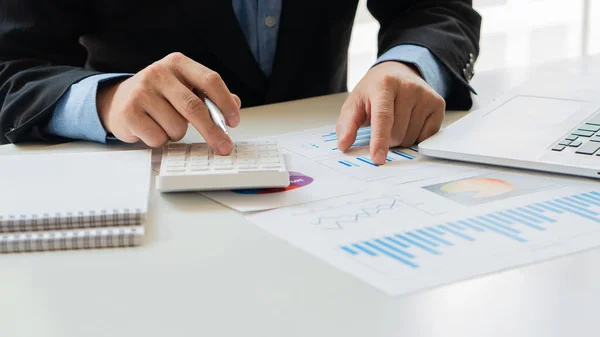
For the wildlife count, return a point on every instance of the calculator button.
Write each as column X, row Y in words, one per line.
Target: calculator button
column 171, row 163
column 199, row 151
column 269, row 160
column 571, row 138
column 198, row 158
column 269, row 154
column 176, row 159
column 199, row 168
column 222, row 167
column 203, row 162
column 229, row 156
column 175, row 169
column 267, row 147
column 246, row 161
column 222, row 162
column 247, row 167
column 246, row 149
column 246, row 155
column 177, row 146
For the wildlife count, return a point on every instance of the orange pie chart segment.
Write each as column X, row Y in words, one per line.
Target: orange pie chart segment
column 479, row 188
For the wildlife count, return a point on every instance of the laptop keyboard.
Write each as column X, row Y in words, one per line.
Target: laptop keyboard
column 585, row 139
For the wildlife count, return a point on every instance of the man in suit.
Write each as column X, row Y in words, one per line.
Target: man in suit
column 133, row 70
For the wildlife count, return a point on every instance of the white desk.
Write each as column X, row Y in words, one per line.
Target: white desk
column 205, row 271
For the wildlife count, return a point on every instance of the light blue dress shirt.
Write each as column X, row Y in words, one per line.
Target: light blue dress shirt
column 76, row 115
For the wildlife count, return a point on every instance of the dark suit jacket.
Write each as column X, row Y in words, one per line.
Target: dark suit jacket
column 47, row 45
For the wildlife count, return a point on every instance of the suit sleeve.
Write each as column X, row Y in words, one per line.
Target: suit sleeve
column 450, row 29
column 40, row 58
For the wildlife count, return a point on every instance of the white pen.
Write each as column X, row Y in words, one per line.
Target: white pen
column 216, row 114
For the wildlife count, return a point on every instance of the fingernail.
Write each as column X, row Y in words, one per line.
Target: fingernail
column 380, row 157
column 233, row 120
column 224, row 147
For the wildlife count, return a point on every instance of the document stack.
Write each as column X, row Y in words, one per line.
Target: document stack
column 73, row 200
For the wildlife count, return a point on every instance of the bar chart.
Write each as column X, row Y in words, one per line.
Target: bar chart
column 409, row 237
column 363, row 136
column 393, row 155
column 320, row 142
column 357, row 163
column 522, row 225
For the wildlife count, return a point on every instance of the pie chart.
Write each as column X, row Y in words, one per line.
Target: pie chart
column 478, row 188
column 297, row 180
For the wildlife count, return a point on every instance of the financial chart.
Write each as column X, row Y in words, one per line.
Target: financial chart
column 411, row 237
column 402, row 165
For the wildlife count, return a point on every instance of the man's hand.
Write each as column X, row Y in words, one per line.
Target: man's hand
column 156, row 104
column 398, row 104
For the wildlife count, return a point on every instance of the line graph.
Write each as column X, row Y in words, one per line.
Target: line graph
column 337, row 222
column 339, row 215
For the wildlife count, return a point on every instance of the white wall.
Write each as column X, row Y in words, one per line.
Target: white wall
column 514, row 33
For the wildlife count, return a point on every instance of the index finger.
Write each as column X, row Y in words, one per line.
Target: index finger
column 382, row 120
column 207, row 81
column 351, row 118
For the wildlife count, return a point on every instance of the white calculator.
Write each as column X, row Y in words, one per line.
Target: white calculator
column 196, row 167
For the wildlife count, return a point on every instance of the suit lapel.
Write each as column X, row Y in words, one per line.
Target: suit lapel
column 215, row 24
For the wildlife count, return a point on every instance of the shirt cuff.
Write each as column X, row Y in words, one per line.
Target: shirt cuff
column 76, row 114
column 432, row 70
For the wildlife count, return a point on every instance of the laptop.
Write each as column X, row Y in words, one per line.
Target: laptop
column 548, row 124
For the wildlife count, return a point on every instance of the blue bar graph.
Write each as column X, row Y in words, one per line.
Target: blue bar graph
column 347, row 163
column 512, row 224
column 363, row 136
column 366, row 161
column 403, row 155
column 349, row 250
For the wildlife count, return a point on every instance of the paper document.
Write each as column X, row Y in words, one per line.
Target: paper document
column 320, row 171
column 308, row 183
column 402, row 165
column 406, row 238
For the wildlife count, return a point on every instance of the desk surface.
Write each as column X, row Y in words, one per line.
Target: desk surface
column 205, row 271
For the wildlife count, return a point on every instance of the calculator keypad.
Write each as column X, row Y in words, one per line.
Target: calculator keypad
column 199, row 158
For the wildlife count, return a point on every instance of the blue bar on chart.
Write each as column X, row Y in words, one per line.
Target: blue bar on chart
column 511, row 224
column 366, row 161
column 361, row 134
column 347, row 163
column 403, row 154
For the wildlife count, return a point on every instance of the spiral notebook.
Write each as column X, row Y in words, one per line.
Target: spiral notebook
column 73, row 200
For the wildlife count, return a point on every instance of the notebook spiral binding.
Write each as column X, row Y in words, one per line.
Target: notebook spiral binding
column 71, row 220
column 76, row 239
